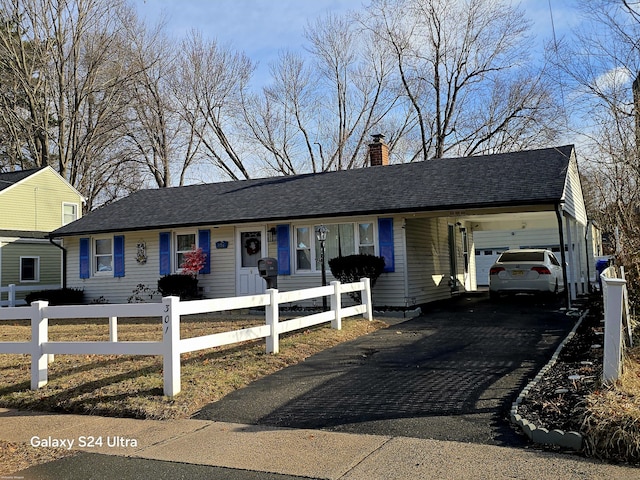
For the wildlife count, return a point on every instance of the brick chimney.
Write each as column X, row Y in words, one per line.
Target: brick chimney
column 378, row 151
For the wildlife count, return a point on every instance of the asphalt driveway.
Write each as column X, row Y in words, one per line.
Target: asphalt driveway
column 450, row 374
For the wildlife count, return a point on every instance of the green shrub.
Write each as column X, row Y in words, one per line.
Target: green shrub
column 183, row 286
column 60, row 296
column 352, row 268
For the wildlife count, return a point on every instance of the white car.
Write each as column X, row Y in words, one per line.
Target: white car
column 526, row 271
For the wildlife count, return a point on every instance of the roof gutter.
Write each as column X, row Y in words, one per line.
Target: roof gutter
column 64, row 261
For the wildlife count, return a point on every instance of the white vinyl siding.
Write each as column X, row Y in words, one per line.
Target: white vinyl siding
column 428, row 249
column 573, row 198
column 389, row 290
column 220, row 283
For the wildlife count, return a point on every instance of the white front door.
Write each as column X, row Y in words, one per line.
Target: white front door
column 251, row 248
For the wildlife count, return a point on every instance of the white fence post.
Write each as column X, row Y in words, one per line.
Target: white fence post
column 336, row 306
column 272, row 317
column 366, row 299
column 39, row 335
column 12, row 295
column 113, row 329
column 613, row 299
column 171, row 341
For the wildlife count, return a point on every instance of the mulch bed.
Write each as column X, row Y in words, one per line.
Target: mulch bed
column 557, row 401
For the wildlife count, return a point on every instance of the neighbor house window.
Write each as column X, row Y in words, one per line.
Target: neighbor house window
column 342, row 239
column 103, row 255
column 185, row 242
column 69, row 212
column 29, row 269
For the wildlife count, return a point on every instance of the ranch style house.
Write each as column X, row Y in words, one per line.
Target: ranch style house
column 421, row 217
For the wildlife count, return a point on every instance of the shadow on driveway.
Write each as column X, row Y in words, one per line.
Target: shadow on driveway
column 450, row 374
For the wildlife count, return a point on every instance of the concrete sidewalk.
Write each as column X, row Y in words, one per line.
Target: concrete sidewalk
column 199, row 448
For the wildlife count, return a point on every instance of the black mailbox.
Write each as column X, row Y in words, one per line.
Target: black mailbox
column 268, row 269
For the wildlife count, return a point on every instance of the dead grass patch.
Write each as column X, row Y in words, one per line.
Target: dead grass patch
column 611, row 426
column 132, row 386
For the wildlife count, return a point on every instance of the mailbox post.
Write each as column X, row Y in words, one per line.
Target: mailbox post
column 268, row 269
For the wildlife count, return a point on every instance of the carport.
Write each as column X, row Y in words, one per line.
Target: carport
column 501, row 198
column 569, row 227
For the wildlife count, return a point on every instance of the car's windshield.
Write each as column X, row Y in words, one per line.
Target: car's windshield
column 522, row 257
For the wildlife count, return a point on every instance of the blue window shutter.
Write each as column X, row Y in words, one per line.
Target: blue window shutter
column 204, row 242
column 85, row 264
column 284, row 255
column 385, row 242
column 165, row 253
column 118, row 256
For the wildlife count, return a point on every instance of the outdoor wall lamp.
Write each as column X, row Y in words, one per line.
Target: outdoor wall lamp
column 271, row 234
column 321, row 235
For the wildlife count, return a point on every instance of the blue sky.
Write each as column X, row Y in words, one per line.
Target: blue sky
column 261, row 28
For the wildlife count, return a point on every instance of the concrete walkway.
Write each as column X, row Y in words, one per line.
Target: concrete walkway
column 203, row 449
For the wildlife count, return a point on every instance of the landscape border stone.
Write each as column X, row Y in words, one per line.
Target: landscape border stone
column 572, row 440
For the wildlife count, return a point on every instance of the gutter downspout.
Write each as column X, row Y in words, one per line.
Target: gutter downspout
column 563, row 256
column 64, row 261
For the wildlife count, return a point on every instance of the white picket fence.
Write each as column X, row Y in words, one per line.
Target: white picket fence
column 170, row 310
column 617, row 322
column 12, row 289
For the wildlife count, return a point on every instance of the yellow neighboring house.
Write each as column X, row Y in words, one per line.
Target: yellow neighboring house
column 32, row 204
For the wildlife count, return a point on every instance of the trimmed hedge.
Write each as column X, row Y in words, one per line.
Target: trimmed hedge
column 352, row 268
column 183, row 286
column 60, row 296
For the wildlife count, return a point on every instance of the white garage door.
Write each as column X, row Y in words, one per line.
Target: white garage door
column 485, row 257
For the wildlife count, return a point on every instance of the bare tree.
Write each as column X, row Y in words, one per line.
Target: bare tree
column 70, row 70
column 156, row 133
column 319, row 112
column 24, row 111
column 283, row 120
column 214, row 80
column 599, row 68
column 463, row 67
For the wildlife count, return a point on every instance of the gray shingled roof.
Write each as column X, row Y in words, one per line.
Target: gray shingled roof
column 11, row 178
column 530, row 177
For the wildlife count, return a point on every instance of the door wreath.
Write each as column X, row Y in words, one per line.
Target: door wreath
column 252, row 245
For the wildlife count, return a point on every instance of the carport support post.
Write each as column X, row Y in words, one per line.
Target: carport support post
column 272, row 318
column 171, row 345
column 572, row 260
column 563, row 255
column 39, row 336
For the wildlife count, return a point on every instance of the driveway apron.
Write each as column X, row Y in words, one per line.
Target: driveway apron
column 450, row 374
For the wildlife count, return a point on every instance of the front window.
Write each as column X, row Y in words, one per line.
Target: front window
column 103, row 255
column 185, row 242
column 342, row 239
column 303, row 248
column 366, row 239
column 69, row 213
column 29, row 269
